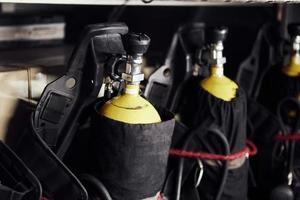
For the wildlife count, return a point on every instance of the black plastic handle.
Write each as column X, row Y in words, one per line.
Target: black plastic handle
column 96, row 30
column 192, row 37
column 62, row 102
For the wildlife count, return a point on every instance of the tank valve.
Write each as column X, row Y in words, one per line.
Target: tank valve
column 217, row 59
column 135, row 45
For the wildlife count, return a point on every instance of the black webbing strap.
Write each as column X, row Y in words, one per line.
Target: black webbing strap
column 56, row 179
column 17, row 181
column 7, row 193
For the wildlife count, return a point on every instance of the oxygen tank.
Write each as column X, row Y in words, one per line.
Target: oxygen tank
column 131, row 138
column 219, row 103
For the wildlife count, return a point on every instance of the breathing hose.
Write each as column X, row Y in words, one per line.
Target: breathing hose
column 223, row 139
column 288, row 138
column 96, row 185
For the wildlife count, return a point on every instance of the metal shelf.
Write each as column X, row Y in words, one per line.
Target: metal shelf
column 153, row 3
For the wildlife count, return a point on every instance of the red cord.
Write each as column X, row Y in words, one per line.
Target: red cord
column 291, row 136
column 160, row 197
column 250, row 150
column 44, row 198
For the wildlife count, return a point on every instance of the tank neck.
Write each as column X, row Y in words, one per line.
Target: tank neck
column 218, row 60
column 217, row 71
column 296, row 44
column 133, row 74
column 132, row 89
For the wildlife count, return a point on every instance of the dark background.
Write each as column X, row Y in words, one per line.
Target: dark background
column 160, row 23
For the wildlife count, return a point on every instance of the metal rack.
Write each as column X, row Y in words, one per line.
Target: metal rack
column 150, row 2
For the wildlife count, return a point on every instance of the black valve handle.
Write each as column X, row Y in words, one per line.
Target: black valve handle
column 136, row 43
column 219, row 34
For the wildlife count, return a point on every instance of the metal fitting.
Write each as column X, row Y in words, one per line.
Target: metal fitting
column 217, row 54
column 133, row 79
column 296, row 44
column 133, row 73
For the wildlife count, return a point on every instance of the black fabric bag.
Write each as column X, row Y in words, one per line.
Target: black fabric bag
column 180, row 134
column 267, row 171
column 276, row 86
column 231, row 118
column 17, row 181
column 131, row 159
column 184, row 172
column 56, row 179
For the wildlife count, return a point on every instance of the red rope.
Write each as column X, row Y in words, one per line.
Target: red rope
column 160, row 197
column 44, row 198
column 250, row 150
column 291, row 136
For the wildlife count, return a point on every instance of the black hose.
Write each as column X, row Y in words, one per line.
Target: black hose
column 179, row 178
column 290, row 146
column 227, row 152
column 202, row 129
column 92, row 183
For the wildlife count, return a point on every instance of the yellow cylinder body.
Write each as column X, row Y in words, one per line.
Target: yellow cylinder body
column 293, row 68
column 130, row 108
column 219, row 85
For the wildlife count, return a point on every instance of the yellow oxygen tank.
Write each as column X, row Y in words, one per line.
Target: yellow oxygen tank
column 293, row 68
column 217, row 84
column 130, row 107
